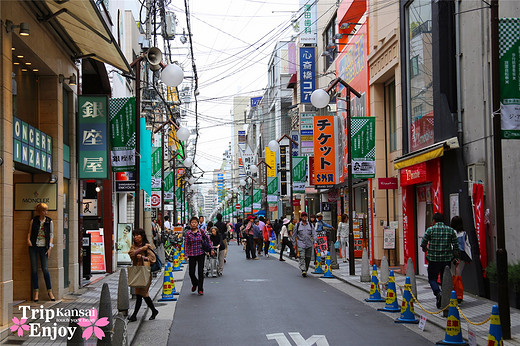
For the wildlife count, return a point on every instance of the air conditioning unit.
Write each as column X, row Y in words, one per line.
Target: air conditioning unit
column 476, row 174
column 170, row 24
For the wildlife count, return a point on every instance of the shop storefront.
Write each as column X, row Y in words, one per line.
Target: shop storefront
column 421, row 186
column 38, row 147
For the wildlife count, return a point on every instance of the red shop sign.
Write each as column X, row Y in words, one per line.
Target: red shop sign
column 296, row 202
column 387, row 183
column 415, row 174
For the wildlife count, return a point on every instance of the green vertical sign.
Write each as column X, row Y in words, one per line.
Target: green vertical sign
column 93, row 137
column 156, row 162
column 168, row 187
column 122, row 133
column 363, row 147
column 257, row 199
column 509, row 56
column 299, row 173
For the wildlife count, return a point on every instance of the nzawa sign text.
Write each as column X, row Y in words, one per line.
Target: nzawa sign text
column 324, row 153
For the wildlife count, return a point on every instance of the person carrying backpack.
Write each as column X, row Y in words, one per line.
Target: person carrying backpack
column 304, row 238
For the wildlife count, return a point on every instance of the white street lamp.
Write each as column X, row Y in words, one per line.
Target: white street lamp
column 273, row 145
column 183, row 133
column 188, row 162
column 242, row 182
column 320, row 98
column 253, row 169
column 192, row 180
column 172, row 75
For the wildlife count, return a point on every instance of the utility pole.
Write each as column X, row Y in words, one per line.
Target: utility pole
column 501, row 253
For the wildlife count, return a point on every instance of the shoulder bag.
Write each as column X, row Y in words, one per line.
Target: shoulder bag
column 157, row 265
column 138, row 276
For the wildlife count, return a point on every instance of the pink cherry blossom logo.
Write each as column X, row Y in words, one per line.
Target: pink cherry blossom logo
column 19, row 325
column 92, row 325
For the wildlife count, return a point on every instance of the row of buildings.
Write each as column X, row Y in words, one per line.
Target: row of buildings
column 422, row 135
column 61, row 63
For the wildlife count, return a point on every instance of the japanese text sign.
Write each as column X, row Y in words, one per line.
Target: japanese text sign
column 122, row 133
column 308, row 21
column 324, row 152
column 307, row 73
column 509, row 46
column 363, row 147
column 93, row 137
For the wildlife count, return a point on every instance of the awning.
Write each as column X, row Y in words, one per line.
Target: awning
column 426, row 154
column 82, row 21
column 292, row 81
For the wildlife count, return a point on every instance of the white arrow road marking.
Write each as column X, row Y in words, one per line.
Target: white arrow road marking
column 319, row 340
column 282, row 340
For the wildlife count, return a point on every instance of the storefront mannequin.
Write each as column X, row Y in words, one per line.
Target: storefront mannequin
column 41, row 241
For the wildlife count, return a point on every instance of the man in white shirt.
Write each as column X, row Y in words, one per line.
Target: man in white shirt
column 167, row 224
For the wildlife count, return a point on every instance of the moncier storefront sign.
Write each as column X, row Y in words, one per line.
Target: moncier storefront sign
column 28, row 195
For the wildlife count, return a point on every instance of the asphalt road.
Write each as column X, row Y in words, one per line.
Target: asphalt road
column 268, row 302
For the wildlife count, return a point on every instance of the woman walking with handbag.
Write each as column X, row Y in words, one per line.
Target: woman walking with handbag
column 194, row 251
column 142, row 256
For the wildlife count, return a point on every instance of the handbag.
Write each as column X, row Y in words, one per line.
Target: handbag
column 157, row 265
column 336, row 245
column 457, row 284
column 206, row 246
column 138, row 276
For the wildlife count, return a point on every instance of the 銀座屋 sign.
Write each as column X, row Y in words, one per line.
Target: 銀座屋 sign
column 92, row 137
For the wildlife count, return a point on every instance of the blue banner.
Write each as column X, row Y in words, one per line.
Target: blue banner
column 307, row 73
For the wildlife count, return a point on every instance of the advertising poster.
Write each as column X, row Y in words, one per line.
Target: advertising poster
column 322, row 241
column 122, row 133
column 509, row 46
column 363, row 147
column 97, row 252
column 124, row 242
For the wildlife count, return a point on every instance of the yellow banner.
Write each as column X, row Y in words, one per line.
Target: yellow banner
column 270, row 159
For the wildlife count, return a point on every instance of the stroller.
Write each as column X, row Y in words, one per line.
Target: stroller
column 211, row 265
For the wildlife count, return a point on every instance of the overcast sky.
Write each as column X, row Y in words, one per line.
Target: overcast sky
column 233, row 40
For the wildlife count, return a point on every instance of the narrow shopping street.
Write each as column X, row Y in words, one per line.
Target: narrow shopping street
column 268, row 302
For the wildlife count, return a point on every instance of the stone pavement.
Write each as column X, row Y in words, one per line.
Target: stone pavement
column 86, row 298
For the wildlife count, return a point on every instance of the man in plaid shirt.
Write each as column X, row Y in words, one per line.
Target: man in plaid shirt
column 440, row 243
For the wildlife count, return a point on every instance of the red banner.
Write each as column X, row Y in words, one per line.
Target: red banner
column 408, row 224
column 387, row 183
column 478, row 211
